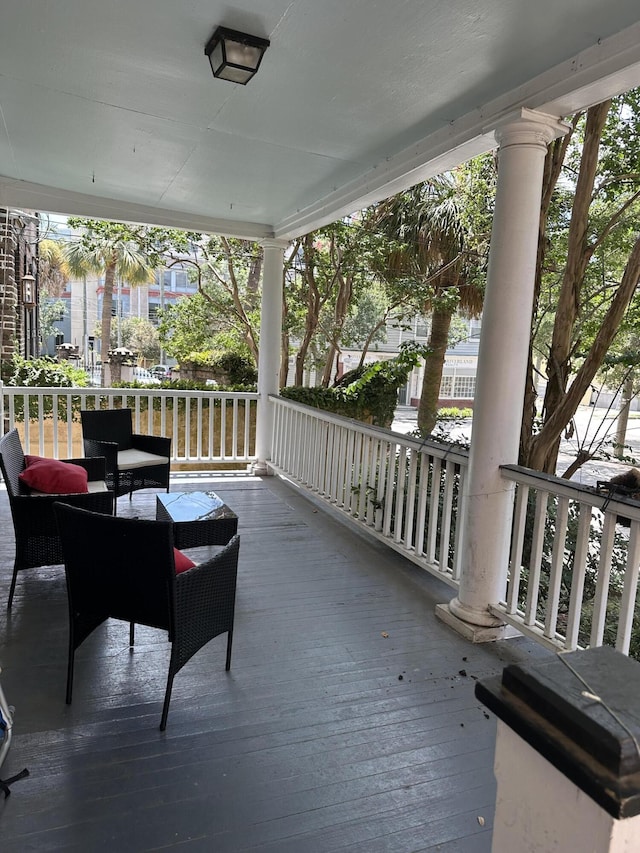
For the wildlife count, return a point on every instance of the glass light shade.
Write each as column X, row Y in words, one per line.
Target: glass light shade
column 235, row 56
column 28, row 291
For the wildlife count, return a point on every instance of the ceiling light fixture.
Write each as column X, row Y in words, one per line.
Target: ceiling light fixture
column 235, row 56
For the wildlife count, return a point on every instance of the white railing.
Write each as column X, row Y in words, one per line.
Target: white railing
column 206, row 426
column 403, row 490
column 573, row 570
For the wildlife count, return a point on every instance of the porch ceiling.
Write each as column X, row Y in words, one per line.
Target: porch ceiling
column 110, row 109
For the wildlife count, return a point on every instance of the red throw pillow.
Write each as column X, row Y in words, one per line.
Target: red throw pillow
column 54, row 477
column 29, row 459
column 182, row 561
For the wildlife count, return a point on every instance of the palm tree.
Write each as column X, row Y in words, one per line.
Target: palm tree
column 53, row 270
column 425, row 225
column 110, row 249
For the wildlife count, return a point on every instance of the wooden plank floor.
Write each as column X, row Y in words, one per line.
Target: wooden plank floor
column 326, row 735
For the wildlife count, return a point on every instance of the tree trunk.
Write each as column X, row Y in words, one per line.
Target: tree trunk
column 543, row 451
column 107, row 306
column 284, row 360
column 552, row 169
column 343, row 303
column 544, row 445
column 314, row 304
column 433, row 365
column 623, row 416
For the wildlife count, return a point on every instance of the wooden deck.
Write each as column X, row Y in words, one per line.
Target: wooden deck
column 348, row 721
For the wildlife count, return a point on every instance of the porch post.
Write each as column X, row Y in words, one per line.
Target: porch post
column 270, row 344
column 567, row 761
column 502, row 364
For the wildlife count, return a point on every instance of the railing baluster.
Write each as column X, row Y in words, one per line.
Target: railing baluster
column 537, row 553
column 602, row 580
column 400, row 495
column 460, row 527
column 392, row 468
column 434, row 507
column 517, row 544
column 557, row 559
column 410, row 505
column 423, row 491
column 445, row 523
column 629, row 590
column 578, row 577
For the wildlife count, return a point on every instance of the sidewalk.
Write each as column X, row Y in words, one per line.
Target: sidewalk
column 590, row 425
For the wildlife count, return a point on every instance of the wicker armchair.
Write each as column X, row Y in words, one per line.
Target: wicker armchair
column 133, row 461
column 36, row 534
column 123, row 568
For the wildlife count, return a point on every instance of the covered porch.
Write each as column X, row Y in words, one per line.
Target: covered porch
column 319, row 744
column 348, row 720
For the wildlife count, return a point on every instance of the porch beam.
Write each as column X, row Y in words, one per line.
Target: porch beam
column 487, row 503
column 270, row 338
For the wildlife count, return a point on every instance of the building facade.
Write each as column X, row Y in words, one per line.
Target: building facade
column 19, row 231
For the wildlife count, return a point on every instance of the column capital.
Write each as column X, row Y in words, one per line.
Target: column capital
column 529, row 127
column 273, row 243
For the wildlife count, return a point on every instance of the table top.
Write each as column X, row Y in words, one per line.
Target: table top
column 195, row 506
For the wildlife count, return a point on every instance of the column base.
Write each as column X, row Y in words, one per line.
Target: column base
column 261, row 469
column 474, row 633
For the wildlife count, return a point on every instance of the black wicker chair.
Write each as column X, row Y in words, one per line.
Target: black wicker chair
column 123, row 568
column 133, row 461
column 36, row 534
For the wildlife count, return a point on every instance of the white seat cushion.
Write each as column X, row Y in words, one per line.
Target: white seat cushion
column 132, row 458
column 97, row 486
column 92, row 486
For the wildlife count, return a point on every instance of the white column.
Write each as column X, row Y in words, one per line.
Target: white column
column 502, row 364
column 270, row 345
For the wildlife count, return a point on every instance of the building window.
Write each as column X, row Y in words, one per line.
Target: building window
column 422, row 327
column 464, row 387
column 446, row 386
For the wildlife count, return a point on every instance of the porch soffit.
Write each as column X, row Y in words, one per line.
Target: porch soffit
column 110, row 110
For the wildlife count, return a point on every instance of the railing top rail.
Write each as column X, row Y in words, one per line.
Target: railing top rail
column 573, row 491
column 435, row 448
column 129, row 392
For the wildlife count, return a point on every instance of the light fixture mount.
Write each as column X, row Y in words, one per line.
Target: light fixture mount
column 235, row 56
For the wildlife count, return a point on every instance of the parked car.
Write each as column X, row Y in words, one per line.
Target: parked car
column 161, row 371
column 140, row 374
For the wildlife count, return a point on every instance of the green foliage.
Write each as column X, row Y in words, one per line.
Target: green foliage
column 449, row 413
column 616, row 578
column 50, row 313
column 232, row 367
column 137, row 334
column 42, row 373
column 367, row 394
column 238, row 368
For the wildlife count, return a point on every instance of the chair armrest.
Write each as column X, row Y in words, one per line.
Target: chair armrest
column 34, row 515
column 205, row 596
column 107, row 449
column 152, row 444
column 95, row 466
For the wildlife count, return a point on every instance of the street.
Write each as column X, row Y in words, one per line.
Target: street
column 592, row 427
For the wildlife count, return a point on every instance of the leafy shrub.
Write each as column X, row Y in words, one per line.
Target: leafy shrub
column 450, row 413
column 368, row 394
column 238, row 368
column 229, row 367
column 43, row 372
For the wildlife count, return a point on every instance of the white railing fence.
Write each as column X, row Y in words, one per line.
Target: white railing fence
column 575, row 555
column 205, row 426
column 404, row 491
column 573, row 569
